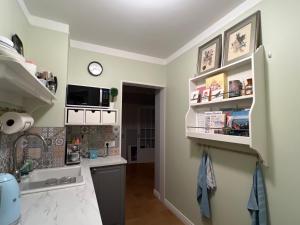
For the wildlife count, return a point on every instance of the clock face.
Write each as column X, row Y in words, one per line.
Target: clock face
column 95, row 68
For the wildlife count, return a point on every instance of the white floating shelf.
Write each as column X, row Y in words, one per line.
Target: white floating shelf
column 225, row 100
column 221, row 137
column 19, row 87
column 252, row 66
column 223, row 69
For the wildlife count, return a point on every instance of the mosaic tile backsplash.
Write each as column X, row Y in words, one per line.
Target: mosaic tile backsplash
column 95, row 137
column 32, row 147
column 56, row 137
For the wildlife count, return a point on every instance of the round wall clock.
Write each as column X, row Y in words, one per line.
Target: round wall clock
column 95, row 68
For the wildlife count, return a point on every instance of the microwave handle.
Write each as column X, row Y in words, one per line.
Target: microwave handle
column 101, row 95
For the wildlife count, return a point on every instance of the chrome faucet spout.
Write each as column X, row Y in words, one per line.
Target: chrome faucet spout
column 16, row 170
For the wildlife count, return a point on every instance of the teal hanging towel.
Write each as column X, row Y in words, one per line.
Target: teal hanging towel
column 257, row 204
column 206, row 183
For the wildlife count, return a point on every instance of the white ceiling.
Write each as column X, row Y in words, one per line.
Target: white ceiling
column 151, row 27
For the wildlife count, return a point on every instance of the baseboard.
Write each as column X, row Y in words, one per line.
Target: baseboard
column 156, row 194
column 177, row 213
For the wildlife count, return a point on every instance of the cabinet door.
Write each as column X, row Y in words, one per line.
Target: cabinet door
column 109, row 183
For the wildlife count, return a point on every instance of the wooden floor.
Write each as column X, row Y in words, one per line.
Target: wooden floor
column 142, row 208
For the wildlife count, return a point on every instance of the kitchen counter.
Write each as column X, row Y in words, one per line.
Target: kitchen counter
column 69, row 206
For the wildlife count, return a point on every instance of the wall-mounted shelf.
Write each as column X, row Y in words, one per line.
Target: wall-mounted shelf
column 90, row 116
column 20, row 87
column 223, row 101
column 252, row 67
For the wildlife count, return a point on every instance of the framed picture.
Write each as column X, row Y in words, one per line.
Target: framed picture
column 241, row 40
column 209, row 55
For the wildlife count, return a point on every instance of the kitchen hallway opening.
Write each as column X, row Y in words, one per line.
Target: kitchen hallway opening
column 143, row 111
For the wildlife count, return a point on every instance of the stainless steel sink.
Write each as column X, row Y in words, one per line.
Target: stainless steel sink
column 50, row 179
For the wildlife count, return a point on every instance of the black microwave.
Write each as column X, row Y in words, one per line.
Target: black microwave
column 87, row 96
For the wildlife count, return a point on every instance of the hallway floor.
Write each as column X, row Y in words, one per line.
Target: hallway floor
column 142, row 208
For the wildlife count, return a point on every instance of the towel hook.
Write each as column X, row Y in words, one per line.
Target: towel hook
column 259, row 160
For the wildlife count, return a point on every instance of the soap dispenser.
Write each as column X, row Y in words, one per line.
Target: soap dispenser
column 10, row 209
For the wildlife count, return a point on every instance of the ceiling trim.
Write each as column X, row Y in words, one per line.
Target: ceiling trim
column 61, row 27
column 42, row 22
column 116, row 52
column 229, row 17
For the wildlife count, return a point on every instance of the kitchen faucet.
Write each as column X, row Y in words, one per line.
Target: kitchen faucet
column 16, row 171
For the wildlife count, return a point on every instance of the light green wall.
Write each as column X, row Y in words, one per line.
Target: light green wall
column 233, row 170
column 115, row 70
column 12, row 20
column 49, row 49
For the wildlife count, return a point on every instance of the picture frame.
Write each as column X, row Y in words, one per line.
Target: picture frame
column 241, row 40
column 209, row 55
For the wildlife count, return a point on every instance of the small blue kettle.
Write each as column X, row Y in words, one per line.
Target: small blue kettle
column 10, row 209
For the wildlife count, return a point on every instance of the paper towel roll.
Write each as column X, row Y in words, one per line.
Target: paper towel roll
column 13, row 122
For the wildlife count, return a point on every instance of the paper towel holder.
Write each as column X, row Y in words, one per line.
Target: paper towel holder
column 9, row 120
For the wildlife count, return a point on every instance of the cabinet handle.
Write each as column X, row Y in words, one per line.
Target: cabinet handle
column 93, row 170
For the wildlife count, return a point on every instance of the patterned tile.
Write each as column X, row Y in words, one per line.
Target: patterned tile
column 32, row 147
column 94, row 137
column 56, row 137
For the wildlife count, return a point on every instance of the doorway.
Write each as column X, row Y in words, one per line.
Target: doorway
column 143, row 129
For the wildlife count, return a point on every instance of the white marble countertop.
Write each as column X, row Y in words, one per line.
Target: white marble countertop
column 69, row 206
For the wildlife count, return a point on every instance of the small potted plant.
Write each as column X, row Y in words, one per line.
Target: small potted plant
column 113, row 94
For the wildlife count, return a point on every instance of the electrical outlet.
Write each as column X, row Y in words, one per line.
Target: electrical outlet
column 110, row 144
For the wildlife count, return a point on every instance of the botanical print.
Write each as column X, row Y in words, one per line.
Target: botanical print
column 208, row 58
column 239, row 42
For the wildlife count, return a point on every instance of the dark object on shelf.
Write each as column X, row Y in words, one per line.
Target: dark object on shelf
column 18, row 45
column 248, row 87
column 109, row 183
column 53, row 84
column 235, row 88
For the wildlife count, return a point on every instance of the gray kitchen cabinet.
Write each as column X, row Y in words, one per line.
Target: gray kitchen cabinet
column 109, row 184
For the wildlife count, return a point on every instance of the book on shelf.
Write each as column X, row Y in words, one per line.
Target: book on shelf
column 209, row 122
column 217, row 82
column 223, row 122
column 194, row 97
column 237, row 122
column 200, row 88
column 217, row 95
column 206, row 95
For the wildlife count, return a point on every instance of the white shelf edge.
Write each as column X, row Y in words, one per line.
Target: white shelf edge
column 221, row 137
column 223, row 68
column 223, row 101
column 24, row 79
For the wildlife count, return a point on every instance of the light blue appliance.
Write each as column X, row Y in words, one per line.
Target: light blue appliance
column 10, row 209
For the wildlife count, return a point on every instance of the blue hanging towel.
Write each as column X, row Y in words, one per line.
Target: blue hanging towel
column 202, row 191
column 257, row 204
